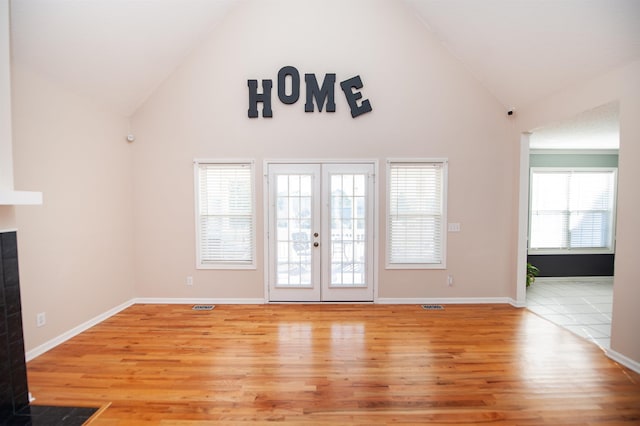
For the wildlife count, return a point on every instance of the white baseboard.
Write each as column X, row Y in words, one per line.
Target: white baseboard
column 516, row 304
column 444, row 300
column 621, row 359
column 39, row 350
column 198, row 301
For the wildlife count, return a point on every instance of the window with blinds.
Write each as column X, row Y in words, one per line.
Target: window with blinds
column 225, row 222
column 416, row 219
column 572, row 210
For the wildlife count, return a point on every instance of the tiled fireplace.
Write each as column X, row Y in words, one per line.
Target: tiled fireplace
column 14, row 393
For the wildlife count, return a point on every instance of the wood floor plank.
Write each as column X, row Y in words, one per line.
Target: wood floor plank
column 336, row 364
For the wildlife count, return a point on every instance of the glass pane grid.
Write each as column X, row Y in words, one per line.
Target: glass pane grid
column 293, row 234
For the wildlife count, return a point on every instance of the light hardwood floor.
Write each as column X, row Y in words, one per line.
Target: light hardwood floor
column 336, row 364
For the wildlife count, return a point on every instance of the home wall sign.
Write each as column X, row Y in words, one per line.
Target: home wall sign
column 323, row 95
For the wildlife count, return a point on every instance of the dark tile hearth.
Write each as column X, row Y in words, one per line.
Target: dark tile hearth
column 14, row 392
column 44, row 415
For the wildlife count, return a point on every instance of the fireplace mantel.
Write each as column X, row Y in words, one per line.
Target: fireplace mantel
column 20, row 198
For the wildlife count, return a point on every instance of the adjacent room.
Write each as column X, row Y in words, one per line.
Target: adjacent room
column 572, row 211
column 319, row 211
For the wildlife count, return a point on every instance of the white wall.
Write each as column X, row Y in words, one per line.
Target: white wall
column 75, row 250
column 7, row 213
column 6, row 164
column 623, row 85
column 424, row 105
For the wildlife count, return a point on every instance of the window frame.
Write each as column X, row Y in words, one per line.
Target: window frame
column 239, row 265
column 576, row 250
column 444, row 164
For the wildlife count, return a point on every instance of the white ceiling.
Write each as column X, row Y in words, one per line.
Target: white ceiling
column 525, row 50
column 118, row 51
column 598, row 128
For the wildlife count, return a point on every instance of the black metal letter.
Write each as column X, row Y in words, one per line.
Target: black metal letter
column 295, row 85
column 326, row 92
column 264, row 97
column 352, row 97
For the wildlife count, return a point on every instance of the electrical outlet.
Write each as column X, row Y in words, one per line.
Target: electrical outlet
column 189, row 280
column 454, row 227
column 41, row 319
column 450, row 280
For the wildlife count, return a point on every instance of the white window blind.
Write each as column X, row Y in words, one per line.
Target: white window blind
column 572, row 209
column 416, row 214
column 225, row 215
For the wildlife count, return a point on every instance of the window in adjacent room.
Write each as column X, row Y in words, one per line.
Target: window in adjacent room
column 225, row 215
column 572, row 210
column 416, row 213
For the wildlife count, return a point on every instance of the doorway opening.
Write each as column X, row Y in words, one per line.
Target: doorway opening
column 571, row 174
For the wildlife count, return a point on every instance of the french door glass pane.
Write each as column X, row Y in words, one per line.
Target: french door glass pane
column 293, row 234
column 348, row 230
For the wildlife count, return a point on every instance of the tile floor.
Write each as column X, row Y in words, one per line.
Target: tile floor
column 582, row 306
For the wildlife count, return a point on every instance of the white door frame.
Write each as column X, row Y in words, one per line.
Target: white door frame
column 523, row 223
column 375, row 218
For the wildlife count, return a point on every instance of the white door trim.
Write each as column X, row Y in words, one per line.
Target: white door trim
column 523, row 222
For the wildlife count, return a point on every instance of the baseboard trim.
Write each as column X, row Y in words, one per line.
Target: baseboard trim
column 621, row 359
column 198, row 301
column 516, row 304
column 444, row 300
column 39, row 350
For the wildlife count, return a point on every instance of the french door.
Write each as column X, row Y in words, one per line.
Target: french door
column 320, row 219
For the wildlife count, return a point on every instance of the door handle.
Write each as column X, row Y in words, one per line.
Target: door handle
column 316, row 244
column 315, row 234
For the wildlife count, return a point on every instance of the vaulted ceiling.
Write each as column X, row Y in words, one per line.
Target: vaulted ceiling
column 119, row 51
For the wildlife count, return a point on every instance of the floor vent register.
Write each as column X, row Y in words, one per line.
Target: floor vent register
column 203, row 307
column 433, row 307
